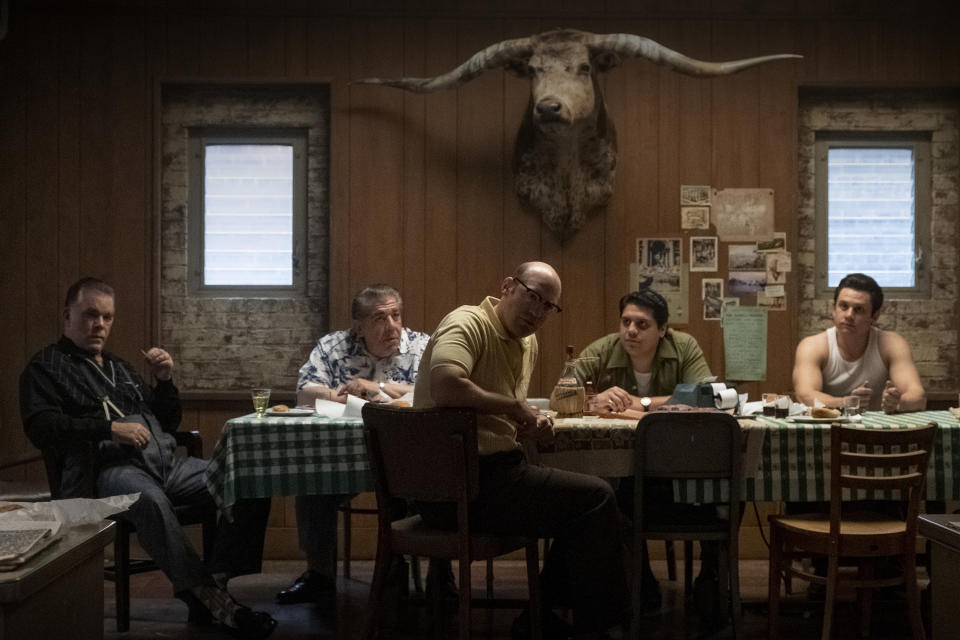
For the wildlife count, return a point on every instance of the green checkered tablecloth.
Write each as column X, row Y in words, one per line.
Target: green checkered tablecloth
column 794, row 464
column 286, row 456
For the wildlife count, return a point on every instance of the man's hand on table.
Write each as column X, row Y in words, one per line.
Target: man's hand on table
column 367, row 389
column 613, row 400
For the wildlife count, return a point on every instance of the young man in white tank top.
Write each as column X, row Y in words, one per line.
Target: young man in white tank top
column 854, row 357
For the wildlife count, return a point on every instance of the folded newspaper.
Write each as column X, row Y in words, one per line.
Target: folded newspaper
column 26, row 528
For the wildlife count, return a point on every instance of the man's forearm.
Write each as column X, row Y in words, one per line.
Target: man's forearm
column 460, row 391
column 308, row 395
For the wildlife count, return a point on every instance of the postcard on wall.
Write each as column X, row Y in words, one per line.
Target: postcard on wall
column 745, row 343
column 703, row 253
column 744, row 257
column 740, row 283
column 695, row 195
column 711, row 294
column 694, row 217
column 778, row 265
column 662, row 254
column 778, row 303
column 779, row 243
column 743, row 215
column 673, row 285
column 727, row 302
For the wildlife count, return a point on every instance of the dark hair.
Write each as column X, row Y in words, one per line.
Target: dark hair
column 73, row 293
column 369, row 296
column 861, row 282
column 649, row 299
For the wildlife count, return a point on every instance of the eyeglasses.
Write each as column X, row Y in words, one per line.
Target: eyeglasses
column 533, row 296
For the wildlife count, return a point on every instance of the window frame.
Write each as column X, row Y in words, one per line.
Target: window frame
column 199, row 138
column 920, row 143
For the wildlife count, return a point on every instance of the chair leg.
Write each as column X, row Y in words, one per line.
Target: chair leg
column 415, row 572
column 833, row 568
column 374, row 604
column 733, row 575
column 773, row 584
column 671, row 561
column 687, row 568
column 347, row 522
column 865, row 596
column 533, row 584
column 489, row 578
column 464, row 599
column 913, row 595
column 121, row 567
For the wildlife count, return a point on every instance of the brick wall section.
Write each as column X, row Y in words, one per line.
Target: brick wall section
column 234, row 343
column 927, row 325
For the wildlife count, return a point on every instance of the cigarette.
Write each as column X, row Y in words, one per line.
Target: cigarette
column 144, row 353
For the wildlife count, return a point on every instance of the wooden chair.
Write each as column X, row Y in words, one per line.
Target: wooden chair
column 696, row 445
column 348, row 511
column 883, row 460
column 430, row 455
column 123, row 566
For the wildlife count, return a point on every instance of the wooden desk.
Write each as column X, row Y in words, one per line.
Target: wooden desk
column 945, row 572
column 59, row 592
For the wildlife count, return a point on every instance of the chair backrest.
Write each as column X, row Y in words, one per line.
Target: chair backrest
column 428, row 455
column 691, row 446
column 687, row 445
column 879, row 460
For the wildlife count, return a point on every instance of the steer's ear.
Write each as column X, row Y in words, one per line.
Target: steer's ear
column 605, row 60
column 518, row 67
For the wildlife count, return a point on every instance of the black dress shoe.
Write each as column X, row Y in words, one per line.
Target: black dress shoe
column 309, row 587
column 250, row 624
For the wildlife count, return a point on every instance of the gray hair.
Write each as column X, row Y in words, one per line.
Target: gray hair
column 369, row 296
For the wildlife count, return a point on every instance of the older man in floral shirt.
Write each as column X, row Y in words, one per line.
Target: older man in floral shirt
column 376, row 359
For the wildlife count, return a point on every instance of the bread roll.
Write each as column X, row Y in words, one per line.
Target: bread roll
column 280, row 408
column 399, row 403
column 824, row 412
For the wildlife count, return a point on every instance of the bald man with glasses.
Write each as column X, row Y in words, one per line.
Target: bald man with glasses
column 481, row 357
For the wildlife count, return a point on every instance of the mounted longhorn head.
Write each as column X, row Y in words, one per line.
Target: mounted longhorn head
column 566, row 151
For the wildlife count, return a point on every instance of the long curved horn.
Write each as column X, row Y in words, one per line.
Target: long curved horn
column 638, row 46
column 489, row 58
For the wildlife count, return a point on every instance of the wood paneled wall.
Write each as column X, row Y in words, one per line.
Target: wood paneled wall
column 421, row 186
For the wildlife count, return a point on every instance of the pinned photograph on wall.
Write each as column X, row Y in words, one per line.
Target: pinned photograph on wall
column 778, row 265
column 694, row 217
column 711, row 292
column 744, row 257
column 703, row 253
column 778, row 243
column 743, row 215
column 695, row 194
column 658, row 254
column 740, row 283
column 778, row 303
column 727, row 303
column 673, row 285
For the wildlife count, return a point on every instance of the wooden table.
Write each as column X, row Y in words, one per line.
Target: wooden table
column 944, row 570
column 59, row 592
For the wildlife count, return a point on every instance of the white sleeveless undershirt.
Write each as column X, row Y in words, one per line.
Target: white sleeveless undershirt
column 841, row 377
column 643, row 382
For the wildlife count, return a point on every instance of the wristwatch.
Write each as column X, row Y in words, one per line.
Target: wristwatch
column 645, row 402
column 381, row 389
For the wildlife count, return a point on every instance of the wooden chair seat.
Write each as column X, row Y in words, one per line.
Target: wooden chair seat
column 416, row 537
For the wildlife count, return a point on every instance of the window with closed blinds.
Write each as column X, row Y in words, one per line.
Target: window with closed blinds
column 873, row 208
column 247, row 231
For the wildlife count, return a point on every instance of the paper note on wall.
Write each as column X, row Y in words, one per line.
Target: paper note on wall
column 745, row 343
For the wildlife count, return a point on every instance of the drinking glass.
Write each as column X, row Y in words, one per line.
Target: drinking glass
column 783, row 406
column 769, row 404
column 261, row 398
column 851, row 405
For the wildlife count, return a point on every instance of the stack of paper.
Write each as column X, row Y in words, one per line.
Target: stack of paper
column 21, row 540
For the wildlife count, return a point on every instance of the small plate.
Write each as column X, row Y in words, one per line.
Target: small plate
column 810, row 419
column 291, row 412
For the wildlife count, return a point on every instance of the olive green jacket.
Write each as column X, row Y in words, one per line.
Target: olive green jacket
column 678, row 359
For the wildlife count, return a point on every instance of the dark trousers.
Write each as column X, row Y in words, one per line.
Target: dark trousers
column 585, row 565
column 239, row 544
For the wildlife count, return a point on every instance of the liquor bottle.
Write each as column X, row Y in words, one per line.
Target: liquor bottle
column 589, row 396
column 568, row 394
